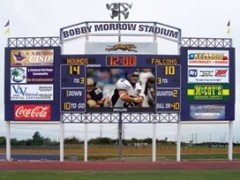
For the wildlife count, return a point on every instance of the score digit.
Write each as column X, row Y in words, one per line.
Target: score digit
column 82, row 80
column 175, row 105
column 169, row 70
column 74, row 70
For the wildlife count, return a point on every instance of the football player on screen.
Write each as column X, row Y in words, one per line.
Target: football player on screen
column 94, row 94
column 148, row 87
column 127, row 91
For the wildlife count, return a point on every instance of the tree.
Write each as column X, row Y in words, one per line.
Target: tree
column 37, row 139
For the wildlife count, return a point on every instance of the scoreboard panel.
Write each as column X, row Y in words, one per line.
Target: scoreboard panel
column 159, row 77
column 198, row 84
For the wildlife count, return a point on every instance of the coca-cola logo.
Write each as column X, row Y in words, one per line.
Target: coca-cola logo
column 32, row 112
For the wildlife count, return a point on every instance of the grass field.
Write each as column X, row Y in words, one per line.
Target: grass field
column 143, row 175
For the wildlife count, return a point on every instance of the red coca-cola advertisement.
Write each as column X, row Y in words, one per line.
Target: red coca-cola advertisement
column 41, row 112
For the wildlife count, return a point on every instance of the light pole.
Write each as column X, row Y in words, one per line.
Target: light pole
column 119, row 9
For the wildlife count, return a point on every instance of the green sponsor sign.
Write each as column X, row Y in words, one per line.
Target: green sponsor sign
column 208, row 92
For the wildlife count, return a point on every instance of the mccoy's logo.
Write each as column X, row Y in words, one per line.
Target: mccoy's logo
column 208, row 92
column 123, row 47
column 32, row 112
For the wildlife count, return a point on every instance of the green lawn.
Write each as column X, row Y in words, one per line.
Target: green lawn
column 121, row 175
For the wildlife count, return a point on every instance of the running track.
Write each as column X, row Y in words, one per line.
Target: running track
column 118, row 166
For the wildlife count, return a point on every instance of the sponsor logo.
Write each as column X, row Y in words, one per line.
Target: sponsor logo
column 30, row 57
column 221, row 73
column 18, row 90
column 193, row 73
column 33, row 92
column 208, row 75
column 208, row 58
column 18, row 75
column 207, row 112
column 32, row 112
column 123, row 47
column 18, row 56
column 208, row 92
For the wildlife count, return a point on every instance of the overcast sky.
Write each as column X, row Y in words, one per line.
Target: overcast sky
column 196, row 18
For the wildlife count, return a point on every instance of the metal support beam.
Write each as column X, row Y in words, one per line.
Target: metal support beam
column 178, row 141
column 85, row 142
column 230, row 141
column 154, row 147
column 61, row 142
column 120, row 136
column 8, row 141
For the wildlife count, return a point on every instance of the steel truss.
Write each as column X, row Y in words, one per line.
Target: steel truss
column 33, row 42
column 207, row 42
column 125, row 117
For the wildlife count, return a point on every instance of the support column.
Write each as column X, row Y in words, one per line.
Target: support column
column 61, row 142
column 120, row 137
column 154, row 142
column 8, row 141
column 85, row 142
column 178, row 141
column 230, row 141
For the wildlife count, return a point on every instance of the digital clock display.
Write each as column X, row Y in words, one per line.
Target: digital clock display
column 121, row 61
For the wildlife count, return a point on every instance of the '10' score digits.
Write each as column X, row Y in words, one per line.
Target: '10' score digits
column 168, row 76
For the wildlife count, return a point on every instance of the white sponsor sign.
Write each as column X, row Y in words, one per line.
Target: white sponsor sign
column 34, row 92
column 202, row 112
column 208, row 58
column 208, row 75
column 120, row 48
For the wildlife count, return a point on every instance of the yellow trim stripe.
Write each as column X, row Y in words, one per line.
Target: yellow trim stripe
column 225, row 92
column 190, row 92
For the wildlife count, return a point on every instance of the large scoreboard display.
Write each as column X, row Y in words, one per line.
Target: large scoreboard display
column 94, row 83
column 41, row 84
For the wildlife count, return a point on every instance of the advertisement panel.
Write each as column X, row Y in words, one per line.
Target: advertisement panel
column 208, row 112
column 208, row 92
column 33, row 92
column 32, row 84
column 32, row 57
column 208, row 57
column 32, row 112
column 208, row 75
column 209, row 86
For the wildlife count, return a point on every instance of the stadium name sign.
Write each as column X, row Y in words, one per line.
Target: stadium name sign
column 122, row 28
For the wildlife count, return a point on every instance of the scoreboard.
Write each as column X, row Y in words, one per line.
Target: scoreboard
column 76, row 69
column 41, row 84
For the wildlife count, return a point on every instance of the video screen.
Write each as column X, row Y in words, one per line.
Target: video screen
column 120, row 90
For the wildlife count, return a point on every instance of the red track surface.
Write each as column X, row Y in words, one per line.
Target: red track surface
column 119, row 166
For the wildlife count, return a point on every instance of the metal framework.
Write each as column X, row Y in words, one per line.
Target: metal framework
column 54, row 41
column 33, row 42
column 207, row 42
column 125, row 117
